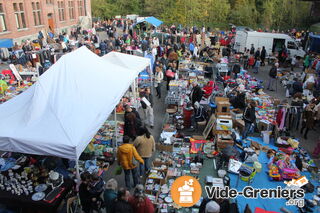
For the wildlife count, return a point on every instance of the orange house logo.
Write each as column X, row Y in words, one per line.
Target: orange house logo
column 186, row 191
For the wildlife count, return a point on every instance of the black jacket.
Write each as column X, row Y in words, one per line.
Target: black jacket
column 249, row 115
column 236, row 68
column 121, row 206
column 297, row 87
column 263, row 53
column 257, row 54
column 252, row 50
column 273, row 72
column 196, row 94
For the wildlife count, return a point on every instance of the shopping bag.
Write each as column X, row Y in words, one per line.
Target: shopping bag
column 170, row 74
column 118, row 170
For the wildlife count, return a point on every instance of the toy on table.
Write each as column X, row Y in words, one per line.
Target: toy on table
column 274, row 173
column 288, row 169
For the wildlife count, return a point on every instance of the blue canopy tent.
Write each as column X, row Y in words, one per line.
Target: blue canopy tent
column 151, row 20
column 6, row 43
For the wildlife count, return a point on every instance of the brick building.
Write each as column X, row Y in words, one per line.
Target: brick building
column 23, row 19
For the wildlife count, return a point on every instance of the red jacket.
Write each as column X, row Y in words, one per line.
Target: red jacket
column 141, row 207
column 251, row 61
column 208, row 89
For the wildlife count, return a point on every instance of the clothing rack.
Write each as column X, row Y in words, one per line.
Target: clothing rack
column 288, row 106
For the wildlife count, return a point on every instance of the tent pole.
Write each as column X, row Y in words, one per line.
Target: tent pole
column 134, row 90
column 78, row 174
column 116, row 129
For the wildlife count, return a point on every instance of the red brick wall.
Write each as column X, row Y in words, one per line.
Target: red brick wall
column 31, row 30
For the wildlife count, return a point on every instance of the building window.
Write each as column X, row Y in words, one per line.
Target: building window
column 19, row 15
column 3, row 26
column 49, row 1
column 80, row 7
column 71, row 9
column 36, row 13
column 61, row 11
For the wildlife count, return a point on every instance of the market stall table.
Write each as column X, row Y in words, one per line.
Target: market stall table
column 261, row 180
column 28, row 205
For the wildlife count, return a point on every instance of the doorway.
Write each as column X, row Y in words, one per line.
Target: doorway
column 278, row 45
column 51, row 22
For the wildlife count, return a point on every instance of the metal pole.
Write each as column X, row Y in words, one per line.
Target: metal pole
column 134, row 90
column 78, row 174
column 116, row 129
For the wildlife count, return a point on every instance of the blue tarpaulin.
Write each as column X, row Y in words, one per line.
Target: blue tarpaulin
column 261, row 181
column 6, row 43
column 151, row 20
column 315, row 43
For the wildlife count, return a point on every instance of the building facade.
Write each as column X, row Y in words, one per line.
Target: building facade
column 23, row 19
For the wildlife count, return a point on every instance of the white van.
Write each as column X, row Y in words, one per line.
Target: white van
column 273, row 42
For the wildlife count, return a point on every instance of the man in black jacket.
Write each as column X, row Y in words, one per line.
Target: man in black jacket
column 249, row 117
column 196, row 93
column 273, row 76
column 252, row 49
column 263, row 56
column 296, row 87
column 236, row 70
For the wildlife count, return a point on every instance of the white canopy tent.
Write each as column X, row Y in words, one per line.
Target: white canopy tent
column 135, row 62
column 64, row 109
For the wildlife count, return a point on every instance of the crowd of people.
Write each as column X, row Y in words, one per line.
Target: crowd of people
column 134, row 155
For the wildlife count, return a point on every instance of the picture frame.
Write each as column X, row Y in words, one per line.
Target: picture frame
column 210, row 126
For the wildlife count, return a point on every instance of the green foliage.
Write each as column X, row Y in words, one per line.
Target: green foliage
column 271, row 14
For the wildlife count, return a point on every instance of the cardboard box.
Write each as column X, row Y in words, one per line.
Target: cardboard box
column 217, row 114
column 236, row 114
column 262, row 126
column 220, row 99
column 164, row 147
column 224, row 123
column 239, row 124
column 224, row 141
column 223, row 106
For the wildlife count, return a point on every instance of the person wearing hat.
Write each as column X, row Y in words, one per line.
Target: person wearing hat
column 139, row 202
column 110, row 193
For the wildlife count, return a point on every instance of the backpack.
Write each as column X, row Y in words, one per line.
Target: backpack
column 273, row 72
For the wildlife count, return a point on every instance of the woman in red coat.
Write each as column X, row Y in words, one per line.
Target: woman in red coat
column 208, row 89
column 139, row 202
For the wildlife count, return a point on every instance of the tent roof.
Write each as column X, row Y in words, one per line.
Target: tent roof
column 127, row 61
column 64, row 109
column 151, row 20
column 6, row 43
